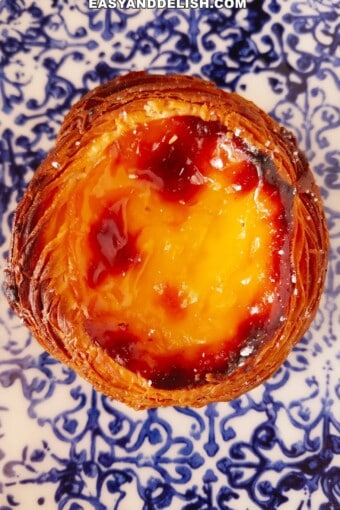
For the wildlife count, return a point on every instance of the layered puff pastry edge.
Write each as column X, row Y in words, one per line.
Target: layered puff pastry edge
column 172, row 248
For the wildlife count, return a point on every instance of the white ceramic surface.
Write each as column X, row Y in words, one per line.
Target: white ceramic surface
column 64, row 446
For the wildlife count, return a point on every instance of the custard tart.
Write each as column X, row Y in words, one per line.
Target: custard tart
column 172, row 248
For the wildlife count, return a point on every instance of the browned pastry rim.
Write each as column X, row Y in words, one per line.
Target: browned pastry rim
column 49, row 297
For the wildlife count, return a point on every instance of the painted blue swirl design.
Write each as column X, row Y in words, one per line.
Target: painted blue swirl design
column 275, row 448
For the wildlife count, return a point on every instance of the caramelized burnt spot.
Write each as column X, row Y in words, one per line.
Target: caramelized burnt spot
column 172, row 299
column 120, row 343
column 183, row 367
column 244, row 176
column 113, row 247
column 281, row 196
column 172, row 154
column 189, row 268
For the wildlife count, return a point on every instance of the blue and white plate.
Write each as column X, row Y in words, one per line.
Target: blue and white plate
column 62, row 445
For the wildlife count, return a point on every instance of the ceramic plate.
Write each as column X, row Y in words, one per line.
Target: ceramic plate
column 64, row 446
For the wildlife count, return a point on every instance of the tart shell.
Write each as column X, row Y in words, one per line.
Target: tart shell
column 53, row 313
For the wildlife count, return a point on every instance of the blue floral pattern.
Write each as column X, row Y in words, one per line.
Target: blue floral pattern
column 64, row 446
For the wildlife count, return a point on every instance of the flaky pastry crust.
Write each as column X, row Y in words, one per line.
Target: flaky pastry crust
column 45, row 274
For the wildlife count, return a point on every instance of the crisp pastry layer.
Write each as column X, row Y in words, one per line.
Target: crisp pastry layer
column 172, row 248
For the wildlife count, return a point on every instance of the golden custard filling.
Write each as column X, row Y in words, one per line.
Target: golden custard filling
column 178, row 249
